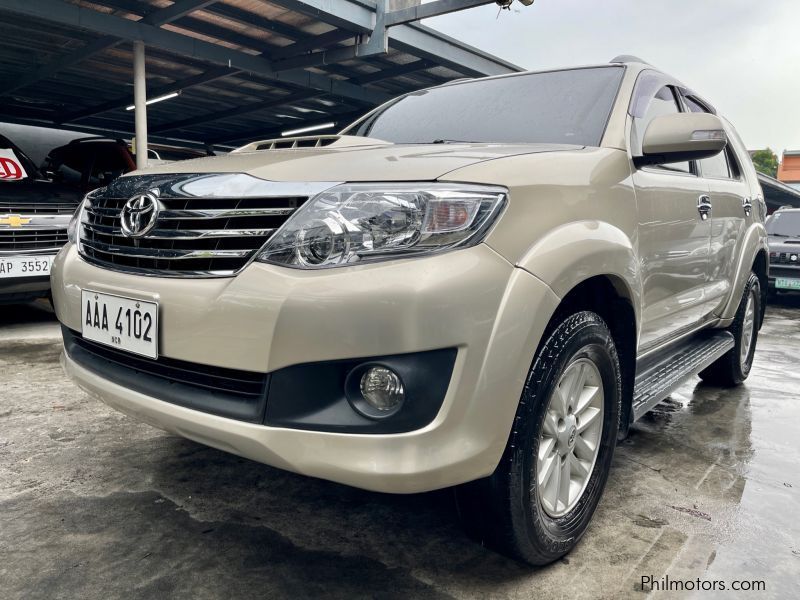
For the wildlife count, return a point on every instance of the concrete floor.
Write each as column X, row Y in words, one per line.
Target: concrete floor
column 96, row 505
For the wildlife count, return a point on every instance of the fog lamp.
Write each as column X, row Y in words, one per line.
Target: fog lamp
column 382, row 389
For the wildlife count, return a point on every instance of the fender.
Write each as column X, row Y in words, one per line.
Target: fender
column 755, row 239
column 577, row 251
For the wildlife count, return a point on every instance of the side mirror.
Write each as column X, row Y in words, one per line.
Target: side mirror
column 681, row 137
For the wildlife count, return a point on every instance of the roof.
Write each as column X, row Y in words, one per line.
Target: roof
column 777, row 194
column 789, row 169
column 244, row 69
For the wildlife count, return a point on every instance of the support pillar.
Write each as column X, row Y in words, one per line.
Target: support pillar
column 140, row 103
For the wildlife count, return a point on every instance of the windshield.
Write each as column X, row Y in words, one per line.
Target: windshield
column 560, row 107
column 27, row 164
column 784, row 224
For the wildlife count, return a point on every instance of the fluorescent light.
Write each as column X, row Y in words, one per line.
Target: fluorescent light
column 307, row 129
column 156, row 99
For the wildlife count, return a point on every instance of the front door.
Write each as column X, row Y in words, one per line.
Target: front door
column 674, row 246
column 674, row 235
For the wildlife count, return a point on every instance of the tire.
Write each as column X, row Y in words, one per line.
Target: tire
column 509, row 511
column 733, row 367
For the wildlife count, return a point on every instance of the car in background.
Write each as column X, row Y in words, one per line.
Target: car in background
column 36, row 205
column 783, row 229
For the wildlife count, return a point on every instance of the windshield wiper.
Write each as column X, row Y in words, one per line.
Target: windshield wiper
column 453, row 142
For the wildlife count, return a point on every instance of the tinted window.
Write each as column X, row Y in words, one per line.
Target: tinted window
column 715, row 166
column 564, row 107
column 108, row 163
column 27, row 164
column 784, row 224
column 662, row 103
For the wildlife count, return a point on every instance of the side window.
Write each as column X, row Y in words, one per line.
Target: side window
column 716, row 167
column 663, row 102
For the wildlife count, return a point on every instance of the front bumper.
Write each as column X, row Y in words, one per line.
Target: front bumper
column 269, row 318
column 22, row 289
column 782, row 271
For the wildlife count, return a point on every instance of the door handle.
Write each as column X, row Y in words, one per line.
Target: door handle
column 747, row 206
column 704, row 206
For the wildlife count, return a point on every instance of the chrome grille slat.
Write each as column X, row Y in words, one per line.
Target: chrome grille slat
column 32, row 240
column 202, row 214
column 38, row 208
column 185, row 234
column 225, row 214
column 192, row 236
column 165, row 253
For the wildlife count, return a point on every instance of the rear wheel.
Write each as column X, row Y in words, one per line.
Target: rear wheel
column 538, row 503
column 733, row 367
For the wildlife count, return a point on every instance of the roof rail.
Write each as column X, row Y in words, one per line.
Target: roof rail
column 626, row 58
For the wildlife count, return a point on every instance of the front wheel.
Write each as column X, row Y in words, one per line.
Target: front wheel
column 733, row 367
column 538, row 503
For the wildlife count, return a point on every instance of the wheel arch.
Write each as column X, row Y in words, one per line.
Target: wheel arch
column 761, row 269
column 611, row 298
column 752, row 258
column 592, row 265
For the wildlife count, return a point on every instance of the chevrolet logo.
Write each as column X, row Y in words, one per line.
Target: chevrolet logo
column 14, row 220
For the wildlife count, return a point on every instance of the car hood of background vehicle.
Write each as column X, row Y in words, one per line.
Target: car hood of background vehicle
column 373, row 162
column 781, row 244
column 35, row 191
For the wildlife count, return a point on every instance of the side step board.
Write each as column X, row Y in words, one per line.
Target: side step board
column 660, row 375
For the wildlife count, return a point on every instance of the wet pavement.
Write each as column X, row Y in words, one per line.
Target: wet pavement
column 96, row 505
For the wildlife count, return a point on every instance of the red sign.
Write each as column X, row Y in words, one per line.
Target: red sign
column 10, row 167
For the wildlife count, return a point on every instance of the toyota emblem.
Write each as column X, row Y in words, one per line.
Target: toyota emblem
column 139, row 215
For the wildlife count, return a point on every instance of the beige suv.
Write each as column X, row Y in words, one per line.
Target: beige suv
column 479, row 285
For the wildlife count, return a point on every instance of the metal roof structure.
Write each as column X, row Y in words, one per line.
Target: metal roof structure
column 777, row 193
column 244, row 69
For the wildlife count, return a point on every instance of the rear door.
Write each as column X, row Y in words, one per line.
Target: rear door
column 731, row 208
column 674, row 230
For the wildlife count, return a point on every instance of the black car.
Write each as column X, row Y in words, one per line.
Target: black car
column 783, row 228
column 36, row 205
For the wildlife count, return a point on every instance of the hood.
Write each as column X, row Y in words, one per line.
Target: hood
column 784, row 244
column 359, row 159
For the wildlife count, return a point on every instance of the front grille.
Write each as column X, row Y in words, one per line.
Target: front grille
column 226, row 392
column 38, row 208
column 192, row 236
column 784, row 258
column 22, row 240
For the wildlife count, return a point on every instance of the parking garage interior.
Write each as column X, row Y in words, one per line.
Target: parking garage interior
column 94, row 504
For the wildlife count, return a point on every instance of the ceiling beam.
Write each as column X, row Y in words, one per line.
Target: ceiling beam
column 73, row 15
column 111, row 131
column 359, row 16
column 398, row 71
column 323, row 40
column 177, row 86
column 431, row 9
column 160, row 17
column 340, row 120
column 236, row 111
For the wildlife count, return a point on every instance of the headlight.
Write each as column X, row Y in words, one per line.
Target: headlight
column 72, row 229
column 355, row 223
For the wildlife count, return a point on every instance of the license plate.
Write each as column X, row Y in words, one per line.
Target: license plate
column 25, row 266
column 785, row 283
column 124, row 323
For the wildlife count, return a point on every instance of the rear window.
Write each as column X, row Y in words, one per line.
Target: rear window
column 784, row 224
column 561, row 107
